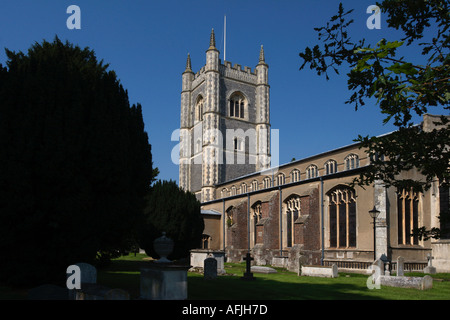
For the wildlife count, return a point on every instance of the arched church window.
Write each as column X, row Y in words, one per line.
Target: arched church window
column 351, row 161
column 256, row 217
column 342, row 217
column 267, row 182
column 224, row 193
column 408, row 216
column 206, row 240
column 330, row 167
column 199, row 109
column 254, row 185
column 295, row 175
column 281, row 179
column 312, row 172
column 292, row 214
column 236, row 106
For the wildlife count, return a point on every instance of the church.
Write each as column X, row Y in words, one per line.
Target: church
column 300, row 212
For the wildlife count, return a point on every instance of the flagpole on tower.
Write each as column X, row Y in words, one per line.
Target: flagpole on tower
column 225, row 39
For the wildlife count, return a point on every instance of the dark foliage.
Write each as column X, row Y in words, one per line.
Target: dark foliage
column 174, row 211
column 75, row 163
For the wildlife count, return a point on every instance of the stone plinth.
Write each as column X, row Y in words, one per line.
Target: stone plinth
column 161, row 281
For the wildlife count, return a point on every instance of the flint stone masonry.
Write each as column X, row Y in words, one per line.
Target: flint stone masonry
column 320, row 271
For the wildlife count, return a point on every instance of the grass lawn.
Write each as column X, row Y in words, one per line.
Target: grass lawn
column 284, row 285
column 124, row 273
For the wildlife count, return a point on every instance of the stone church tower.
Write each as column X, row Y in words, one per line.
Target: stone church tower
column 225, row 123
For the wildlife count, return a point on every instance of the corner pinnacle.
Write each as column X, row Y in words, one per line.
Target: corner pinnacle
column 188, row 63
column 212, row 40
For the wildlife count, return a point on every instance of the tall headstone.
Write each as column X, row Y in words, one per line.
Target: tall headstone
column 400, row 266
column 210, row 268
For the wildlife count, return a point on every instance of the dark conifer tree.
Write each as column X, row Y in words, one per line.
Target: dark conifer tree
column 176, row 212
column 75, row 162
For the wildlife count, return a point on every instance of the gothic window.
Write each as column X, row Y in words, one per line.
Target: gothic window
column 280, row 179
column 199, row 109
column 408, row 216
column 256, row 217
column 292, row 214
column 233, row 190
column 206, row 240
column 330, row 167
column 237, row 106
column 376, row 157
column 295, row 175
column 351, row 162
column 224, row 193
column 342, row 217
column 312, row 172
column 266, row 182
column 254, row 185
column 244, row 188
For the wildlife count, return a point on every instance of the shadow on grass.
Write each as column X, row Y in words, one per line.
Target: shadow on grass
column 233, row 288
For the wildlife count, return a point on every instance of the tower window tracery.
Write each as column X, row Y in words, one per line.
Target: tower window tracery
column 237, row 106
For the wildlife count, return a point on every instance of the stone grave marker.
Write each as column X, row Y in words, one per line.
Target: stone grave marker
column 429, row 268
column 248, row 275
column 210, row 268
column 400, row 266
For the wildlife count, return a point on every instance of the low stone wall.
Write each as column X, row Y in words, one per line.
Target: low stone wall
column 441, row 253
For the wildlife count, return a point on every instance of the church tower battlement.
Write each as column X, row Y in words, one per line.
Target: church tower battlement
column 224, row 123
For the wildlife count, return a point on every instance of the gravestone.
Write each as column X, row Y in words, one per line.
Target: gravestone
column 88, row 277
column 88, row 273
column 429, row 268
column 400, row 266
column 387, row 269
column 248, row 275
column 210, row 268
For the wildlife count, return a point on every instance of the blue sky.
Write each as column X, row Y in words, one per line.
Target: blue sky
column 147, row 42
